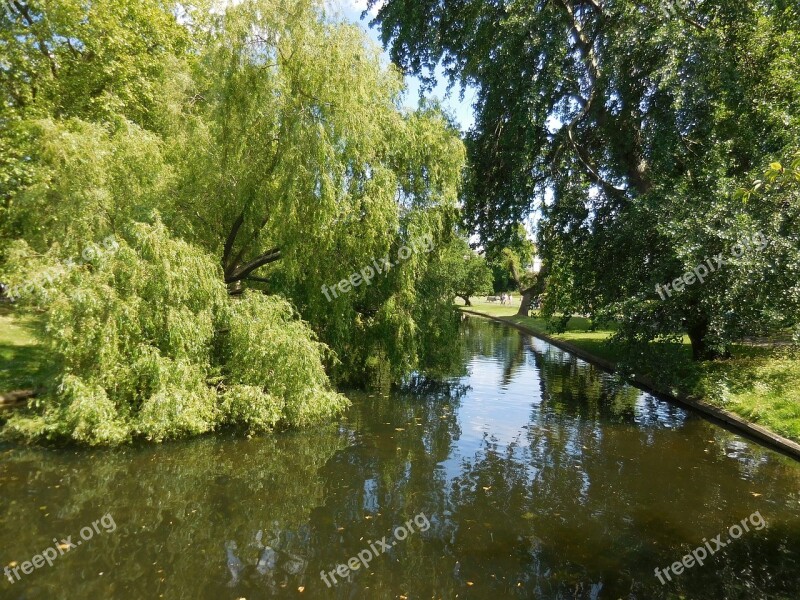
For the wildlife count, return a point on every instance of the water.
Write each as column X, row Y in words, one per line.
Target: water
column 537, row 477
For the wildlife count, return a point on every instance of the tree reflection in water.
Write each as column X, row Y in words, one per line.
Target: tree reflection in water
column 541, row 478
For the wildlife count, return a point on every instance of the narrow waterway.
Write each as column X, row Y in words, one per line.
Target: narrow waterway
column 528, row 474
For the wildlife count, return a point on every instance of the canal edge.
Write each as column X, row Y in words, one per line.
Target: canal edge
column 719, row 415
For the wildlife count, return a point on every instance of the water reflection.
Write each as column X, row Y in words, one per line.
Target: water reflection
column 541, row 477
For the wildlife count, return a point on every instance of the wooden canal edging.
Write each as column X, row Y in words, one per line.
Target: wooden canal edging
column 729, row 420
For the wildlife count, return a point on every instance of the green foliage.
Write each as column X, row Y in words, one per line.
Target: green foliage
column 629, row 131
column 466, row 272
column 89, row 60
column 147, row 343
column 511, row 264
column 271, row 142
column 302, row 171
column 86, row 180
column 267, row 347
column 279, row 149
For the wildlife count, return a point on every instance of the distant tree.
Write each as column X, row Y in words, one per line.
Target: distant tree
column 523, row 250
column 471, row 275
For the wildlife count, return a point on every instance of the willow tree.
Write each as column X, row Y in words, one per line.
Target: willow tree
column 629, row 128
column 298, row 168
column 279, row 161
column 145, row 342
column 97, row 62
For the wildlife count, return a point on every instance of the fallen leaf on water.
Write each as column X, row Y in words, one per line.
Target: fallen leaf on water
column 399, row 429
column 301, row 589
column 487, row 488
column 469, row 583
column 755, row 494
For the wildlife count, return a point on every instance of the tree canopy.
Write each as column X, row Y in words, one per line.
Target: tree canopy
column 630, row 131
column 265, row 150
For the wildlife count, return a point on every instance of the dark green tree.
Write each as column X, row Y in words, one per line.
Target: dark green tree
column 628, row 127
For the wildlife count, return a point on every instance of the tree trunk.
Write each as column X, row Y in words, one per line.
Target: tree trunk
column 525, row 303
column 466, row 300
column 701, row 349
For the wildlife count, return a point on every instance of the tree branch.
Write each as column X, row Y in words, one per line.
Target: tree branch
column 237, row 225
column 268, row 257
column 24, row 11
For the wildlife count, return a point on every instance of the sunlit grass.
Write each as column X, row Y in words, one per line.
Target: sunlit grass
column 763, row 387
column 23, row 361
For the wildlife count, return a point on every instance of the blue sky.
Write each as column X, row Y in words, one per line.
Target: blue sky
column 351, row 11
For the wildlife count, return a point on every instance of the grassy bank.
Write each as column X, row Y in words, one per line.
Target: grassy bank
column 23, row 362
column 760, row 383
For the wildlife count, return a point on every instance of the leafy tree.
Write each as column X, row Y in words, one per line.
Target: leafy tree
column 272, row 144
column 147, row 343
column 94, row 61
column 514, row 269
column 467, row 271
column 629, row 130
column 301, row 171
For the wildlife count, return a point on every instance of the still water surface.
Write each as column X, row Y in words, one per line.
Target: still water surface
column 539, row 477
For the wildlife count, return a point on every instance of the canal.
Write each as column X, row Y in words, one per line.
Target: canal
column 525, row 474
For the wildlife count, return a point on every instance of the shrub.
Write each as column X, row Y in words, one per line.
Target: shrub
column 148, row 344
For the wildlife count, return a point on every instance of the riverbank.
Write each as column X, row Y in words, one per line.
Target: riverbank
column 757, row 391
column 22, row 359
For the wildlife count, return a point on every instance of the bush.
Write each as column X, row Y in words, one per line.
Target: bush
column 148, row 344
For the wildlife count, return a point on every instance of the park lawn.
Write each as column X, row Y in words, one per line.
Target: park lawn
column 759, row 383
column 22, row 360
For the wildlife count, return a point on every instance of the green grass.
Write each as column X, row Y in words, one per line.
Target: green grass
column 23, row 360
column 763, row 386
column 759, row 383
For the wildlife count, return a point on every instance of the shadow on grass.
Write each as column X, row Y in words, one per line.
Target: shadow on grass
column 24, row 362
